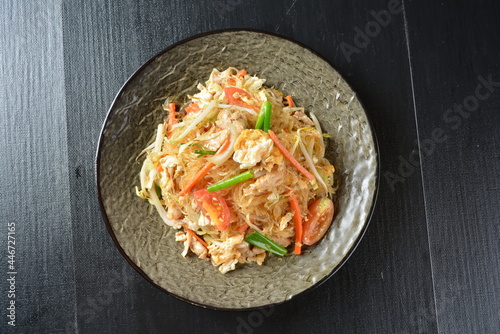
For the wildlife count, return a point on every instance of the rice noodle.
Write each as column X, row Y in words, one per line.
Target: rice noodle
column 226, row 106
column 316, row 123
column 150, row 147
column 208, row 110
column 161, row 210
column 219, row 142
column 313, row 169
column 219, row 159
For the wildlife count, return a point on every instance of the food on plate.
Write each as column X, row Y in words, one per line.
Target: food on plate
column 240, row 172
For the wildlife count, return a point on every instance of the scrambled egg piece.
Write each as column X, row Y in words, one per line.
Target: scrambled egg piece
column 252, row 147
column 224, row 254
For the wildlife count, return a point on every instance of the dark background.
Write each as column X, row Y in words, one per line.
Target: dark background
column 429, row 262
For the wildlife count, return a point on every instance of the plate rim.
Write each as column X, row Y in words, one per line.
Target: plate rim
column 97, row 174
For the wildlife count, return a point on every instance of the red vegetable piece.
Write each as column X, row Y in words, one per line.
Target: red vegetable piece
column 215, row 207
column 318, row 220
column 230, row 91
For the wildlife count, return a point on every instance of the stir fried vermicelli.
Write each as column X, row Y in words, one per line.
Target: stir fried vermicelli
column 270, row 155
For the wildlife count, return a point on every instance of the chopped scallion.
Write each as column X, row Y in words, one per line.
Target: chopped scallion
column 264, row 110
column 204, row 152
column 231, row 181
column 261, row 241
column 267, row 116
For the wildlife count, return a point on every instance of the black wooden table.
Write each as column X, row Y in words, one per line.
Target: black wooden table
column 428, row 74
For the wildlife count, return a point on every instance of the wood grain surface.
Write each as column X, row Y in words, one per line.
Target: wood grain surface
column 458, row 94
column 429, row 260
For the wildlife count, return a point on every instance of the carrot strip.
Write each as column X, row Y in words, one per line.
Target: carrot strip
column 289, row 156
column 297, row 219
column 230, row 91
column 224, row 146
column 159, row 167
column 290, row 102
column 249, row 106
column 193, row 234
column 197, row 178
column 242, row 229
column 171, row 116
column 193, row 107
column 241, row 73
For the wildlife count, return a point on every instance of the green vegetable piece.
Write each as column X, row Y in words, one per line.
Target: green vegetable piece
column 266, row 106
column 158, row 191
column 267, row 116
column 204, row 152
column 257, row 239
column 230, row 182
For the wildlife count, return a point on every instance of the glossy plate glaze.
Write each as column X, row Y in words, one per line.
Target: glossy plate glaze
column 149, row 245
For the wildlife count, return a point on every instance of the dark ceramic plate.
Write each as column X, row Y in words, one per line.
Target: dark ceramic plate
column 138, row 232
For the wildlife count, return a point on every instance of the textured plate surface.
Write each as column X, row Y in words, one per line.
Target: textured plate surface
column 133, row 117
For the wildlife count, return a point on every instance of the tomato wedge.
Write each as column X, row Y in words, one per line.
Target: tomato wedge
column 215, row 207
column 318, row 220
column 230, row 91
column 192, row 107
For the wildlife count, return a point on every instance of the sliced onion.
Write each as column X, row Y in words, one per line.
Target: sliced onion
column 161, row 210
column 151, row 178
column 146, row 176
column 178, row 125
column 316, row 123
column 219, row 159
column 187, row 244
column 294, row 147
column 143, row 173
column 159, row 139
column 204, row 114
column 318, row 128
column 145, row 150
